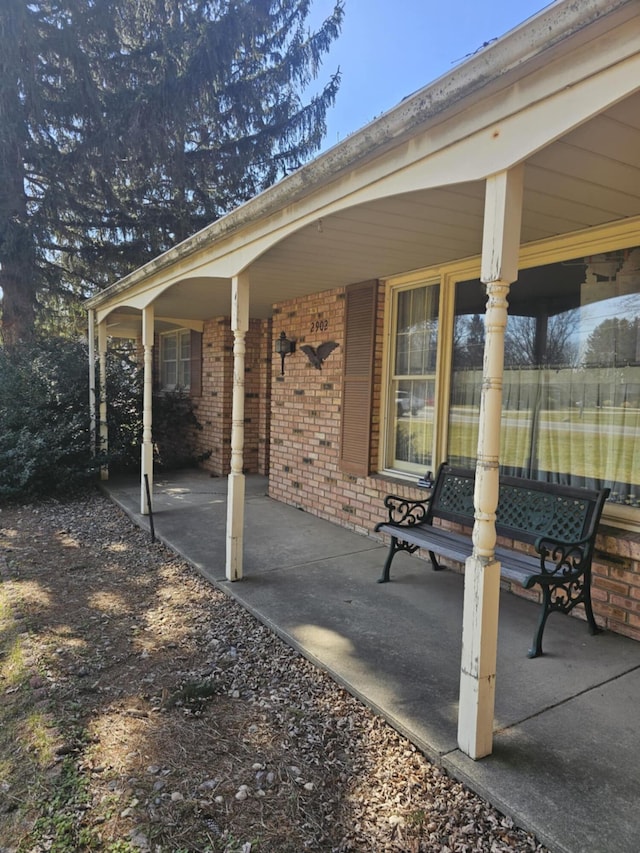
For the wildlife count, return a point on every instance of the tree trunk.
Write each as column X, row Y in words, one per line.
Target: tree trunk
column 17, row 246
column 17, row 260
column 18, row 304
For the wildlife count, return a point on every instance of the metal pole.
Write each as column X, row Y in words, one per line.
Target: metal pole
column 149, row 509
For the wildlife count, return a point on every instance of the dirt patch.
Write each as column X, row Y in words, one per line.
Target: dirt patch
column 142, row 709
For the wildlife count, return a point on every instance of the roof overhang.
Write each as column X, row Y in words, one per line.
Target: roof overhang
column 560, row 93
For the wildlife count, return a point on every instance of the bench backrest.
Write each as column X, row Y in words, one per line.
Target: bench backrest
column 527, row 509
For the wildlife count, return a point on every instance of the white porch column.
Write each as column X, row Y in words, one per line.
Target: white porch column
column 500, row 247
column 235, row 496
column 93, row 421
column 102, row 364
column 146, row 461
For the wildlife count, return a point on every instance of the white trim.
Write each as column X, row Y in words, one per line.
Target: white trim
column 178, row 334
column 236, row 479
column 91, row 339
column 102, row 411
column 503, row 208
column 146, row 461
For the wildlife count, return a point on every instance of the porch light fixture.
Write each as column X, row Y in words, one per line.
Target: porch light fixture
column 284, row 347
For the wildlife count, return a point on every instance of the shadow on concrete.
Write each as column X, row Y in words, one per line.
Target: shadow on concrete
column 566, row 761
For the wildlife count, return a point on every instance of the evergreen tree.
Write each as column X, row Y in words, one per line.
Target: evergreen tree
column 127, row 125
column 468, row 341
column 615, row 342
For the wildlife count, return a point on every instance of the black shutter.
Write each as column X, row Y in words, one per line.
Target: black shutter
column 196, row 364
column 357, row 385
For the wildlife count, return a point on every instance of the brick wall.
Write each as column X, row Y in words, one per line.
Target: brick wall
column 616, row 581
column 305, row 407
column 305, row 420
column 255, row 391
column 214, row 408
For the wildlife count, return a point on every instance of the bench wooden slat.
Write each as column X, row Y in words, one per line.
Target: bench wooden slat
column 447, row 543
column 515, row 566
column 557, row 522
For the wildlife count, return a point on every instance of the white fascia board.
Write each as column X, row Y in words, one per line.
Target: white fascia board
column 534, row 43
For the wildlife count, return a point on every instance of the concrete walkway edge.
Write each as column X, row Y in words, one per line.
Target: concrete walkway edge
column 566, row 760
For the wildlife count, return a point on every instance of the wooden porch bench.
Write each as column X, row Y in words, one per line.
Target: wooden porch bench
column 557, row 523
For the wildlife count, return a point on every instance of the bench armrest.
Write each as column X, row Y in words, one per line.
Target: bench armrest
column 404, row 512
column 560, row 559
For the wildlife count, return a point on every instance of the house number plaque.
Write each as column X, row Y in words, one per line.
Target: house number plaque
column 319, row 326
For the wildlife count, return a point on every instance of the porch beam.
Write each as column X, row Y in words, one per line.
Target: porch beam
column 236, row 480
column 146, row 460
column 500, row 248
column 103, row 433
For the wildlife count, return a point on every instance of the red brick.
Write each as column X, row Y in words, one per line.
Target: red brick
column 614, row 613
column 625, row 575
column 627, row 603
column 611, row 585
column 627, row 631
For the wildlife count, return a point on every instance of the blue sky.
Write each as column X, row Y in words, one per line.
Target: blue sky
column 390, row 48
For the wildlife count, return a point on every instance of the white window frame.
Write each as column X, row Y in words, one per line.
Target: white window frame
column 391, row 402
column 182, row 364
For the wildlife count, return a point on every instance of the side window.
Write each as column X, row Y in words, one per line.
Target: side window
column 410, row 416
column 175, row 360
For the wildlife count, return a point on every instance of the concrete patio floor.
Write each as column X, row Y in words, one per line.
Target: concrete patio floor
column 566, row 760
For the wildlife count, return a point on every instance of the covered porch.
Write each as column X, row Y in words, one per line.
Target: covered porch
column 566, row 747
column 525, row 155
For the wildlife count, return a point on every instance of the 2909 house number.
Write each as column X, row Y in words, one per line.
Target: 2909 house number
column 319, row 326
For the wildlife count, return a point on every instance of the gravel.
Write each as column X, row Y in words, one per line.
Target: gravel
column 193, row 726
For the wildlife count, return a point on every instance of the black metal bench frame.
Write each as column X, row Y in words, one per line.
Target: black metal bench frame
column 557, row 522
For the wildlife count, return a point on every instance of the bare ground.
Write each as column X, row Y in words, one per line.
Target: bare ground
column 143, row 710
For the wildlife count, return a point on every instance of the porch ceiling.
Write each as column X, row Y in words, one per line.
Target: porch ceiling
column 589, row 177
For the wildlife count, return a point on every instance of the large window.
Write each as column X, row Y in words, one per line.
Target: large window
column 410, row 438
column 175, row 360
column 571, row 390
column 571, row 394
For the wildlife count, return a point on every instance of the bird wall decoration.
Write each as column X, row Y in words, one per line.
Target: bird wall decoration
column 317, row 355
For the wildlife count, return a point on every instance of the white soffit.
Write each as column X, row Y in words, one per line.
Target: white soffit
column 588, row 177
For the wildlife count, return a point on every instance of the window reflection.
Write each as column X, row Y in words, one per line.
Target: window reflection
column 571, row 393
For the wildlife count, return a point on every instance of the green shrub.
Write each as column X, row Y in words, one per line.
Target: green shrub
column 45, row 430
column 175, row 425
column 124, row 410
column 44, row 419
column 175, row 428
